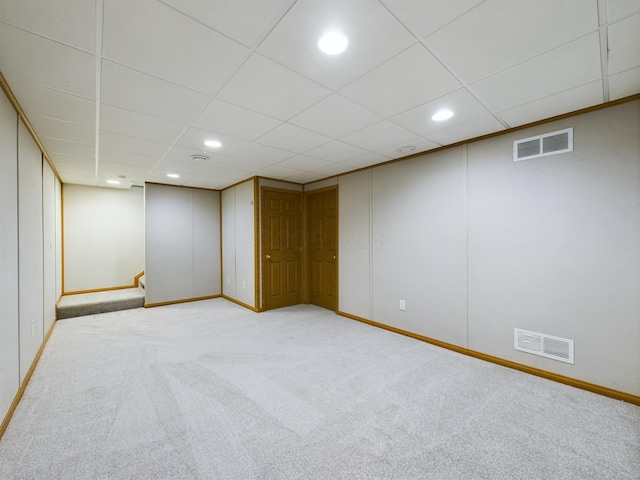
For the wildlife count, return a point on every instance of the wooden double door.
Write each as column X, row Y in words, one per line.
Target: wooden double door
column 299, row 248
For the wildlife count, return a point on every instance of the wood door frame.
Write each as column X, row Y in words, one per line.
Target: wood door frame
column 260, row 271
column 306, row 264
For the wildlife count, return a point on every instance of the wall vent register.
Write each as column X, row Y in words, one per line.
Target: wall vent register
column 543, row 145
column 544, row 345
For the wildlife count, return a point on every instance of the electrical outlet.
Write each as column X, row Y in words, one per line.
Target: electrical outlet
column 403, row 304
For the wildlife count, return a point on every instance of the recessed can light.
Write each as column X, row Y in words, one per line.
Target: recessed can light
column 406, row 149
column 199, row 158
column 173, row 175
column 441, row 115
column 333, row 43
column 213, row 143
column 113, row 182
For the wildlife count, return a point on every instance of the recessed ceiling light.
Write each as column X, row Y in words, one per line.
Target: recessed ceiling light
column 333, row 43
column 406, row 149
column 213, row 143
column 441, row 115
column 173, row 175
column 113, row 182
column 199, row 158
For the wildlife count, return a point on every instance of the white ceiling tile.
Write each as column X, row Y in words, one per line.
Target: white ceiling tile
column 276, row 171
column 70, row 163
column 46, row 63
column 227, row 119
column 154, row 38
column 214, row 182
column 263, row 154
column 618, row 9
column 624, row 84
column 127, row 158
column 190, row 167
column 161, row 177
column 567, row 101
column 183, row 154
column 335, row 117
column 378, row 136
column 194, row 138
column 501, row 33
column 55, row 146
column 334, row 169
column 292, row 138
column 131, row 90
column 306, row 177
column 231, row 18
column 125, row 143
column 335, row 151
column 266, row 87
column 409, row 79
column 238, row 164
column 116, row 171
column 374, row 36
column 421, row 145
column 77, row 178
column 37, row 100
column 465, row 107
column 624, row 45
column 366, row 160
column 303, row 162
column 564, row 68
column 475, row 128
column 126, row 122
column 71, row 132
column 424, row 17
column 52, row 19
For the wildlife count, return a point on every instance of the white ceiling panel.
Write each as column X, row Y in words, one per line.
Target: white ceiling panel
column 501, row 33
column 276, row 171
column 211, row 182
column 304, row 162
column 409, row 79
column 374, row 37
column 126, row 122
column 136, row 145
column 69, row 163
column 227, row 119
column 37, row 100
column 624, row 45
column 47, row 63
column 71, row 132
column 153, row 38
column 55, row 145
column 366, row 160
column 52, row 20
column 475, row 128
column 330, row 170
column 263, row 154
column 306, row 177
column 260, row 85
column 564, row 68
column 400, row 149
column 424, row 17
column 182, row 154
column 464, row 105
column 618, row 9
column 194, row 138
column 230, row 17
column 121, row 171
column 159, row 176
column 127, row 158
column 335, row 151
column 624, row 84
column 335, row 117
column 567, row 101
column 292, row 138
column 379, row 136
column 191, row 167
column 132, row 90
column 237, row 164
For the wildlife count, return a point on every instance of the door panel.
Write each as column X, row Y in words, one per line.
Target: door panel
column 281, row 249
column 323, row 224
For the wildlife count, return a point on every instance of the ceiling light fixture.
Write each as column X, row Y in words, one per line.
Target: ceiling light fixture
column 213, row 143
column 113, row 182
column 442, row 115
column 406, row 149
column 199, row 158
column 333, row 43
column 173, row 175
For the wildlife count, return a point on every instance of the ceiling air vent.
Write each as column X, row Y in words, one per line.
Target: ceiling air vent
column 543, row 145
column 544, row 345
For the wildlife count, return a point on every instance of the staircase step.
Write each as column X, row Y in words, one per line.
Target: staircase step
column 100, row 302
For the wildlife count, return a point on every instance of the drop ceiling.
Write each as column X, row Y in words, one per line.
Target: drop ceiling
column 130, row 89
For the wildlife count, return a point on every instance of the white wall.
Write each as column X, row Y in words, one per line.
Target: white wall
column 182, row 238
column 103, row 236
column 49, row 244
column 478, row 245
column 9, row 316
column 238, row 243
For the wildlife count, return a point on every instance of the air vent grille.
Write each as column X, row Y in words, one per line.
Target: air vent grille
column 544, row 345
column 543, row 145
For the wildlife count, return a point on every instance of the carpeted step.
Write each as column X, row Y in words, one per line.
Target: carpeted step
column 100, row 302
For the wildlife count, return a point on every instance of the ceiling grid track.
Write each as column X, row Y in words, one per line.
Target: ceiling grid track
column 604, row 47
column 99, row 29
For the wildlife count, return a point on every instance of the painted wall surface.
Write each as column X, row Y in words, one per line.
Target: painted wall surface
column 478, row 245
column 182, row 238
column 30, row 241
column 103, row 236
column 49, row 244
column 9, row 316
column 238, row 243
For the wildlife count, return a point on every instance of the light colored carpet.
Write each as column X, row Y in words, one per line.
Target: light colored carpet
column 99, row 302
column 209, row 390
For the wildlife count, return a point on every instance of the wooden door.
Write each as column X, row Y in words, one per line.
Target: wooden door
column 323, row 248
column 282, row 235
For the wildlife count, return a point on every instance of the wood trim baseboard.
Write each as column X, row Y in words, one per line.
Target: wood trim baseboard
column 136, row 282
column 242, row 304
column 182, row 300
column 136, row 279
column 573, row 382
column 25, row 382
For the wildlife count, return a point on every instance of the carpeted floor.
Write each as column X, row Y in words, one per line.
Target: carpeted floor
column 209, row 390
